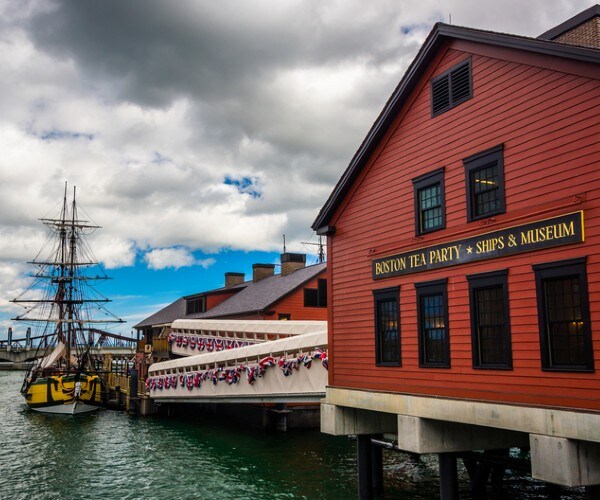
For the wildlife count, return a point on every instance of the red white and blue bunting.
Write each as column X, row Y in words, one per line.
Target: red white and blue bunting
column 233, row 375
column 206, row 344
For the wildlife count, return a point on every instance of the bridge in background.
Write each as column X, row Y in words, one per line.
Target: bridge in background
column 239, row 361
column 19, row 355
column 33, row 347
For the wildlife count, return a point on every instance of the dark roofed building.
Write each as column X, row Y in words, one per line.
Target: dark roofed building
column 298, row 293
column 276, row 296
column 154, row 325
column 582, row 29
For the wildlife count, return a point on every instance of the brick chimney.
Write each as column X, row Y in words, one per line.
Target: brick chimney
column 290, row 262
column 582, row 29
column 262, row 271
column 232, row 279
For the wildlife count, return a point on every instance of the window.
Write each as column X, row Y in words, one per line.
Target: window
column 564, row 316
column 484, row 174
column 316, row 297
column 387, row 326
column 432, row 317
column 195, row 305
column 284, row 317
column 311, row 297
column 490, row 320
column 429, row 202
column 322, row 289
column 451, row 88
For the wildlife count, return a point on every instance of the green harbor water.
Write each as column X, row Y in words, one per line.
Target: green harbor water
column 110, row 455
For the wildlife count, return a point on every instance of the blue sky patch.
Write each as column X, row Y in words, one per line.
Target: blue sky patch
column 246, row 185
column 160, row 159
column 409, row 29
column 57, row 135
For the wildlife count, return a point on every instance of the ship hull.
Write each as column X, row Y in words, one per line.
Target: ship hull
column 72, row 408
column 64, row 394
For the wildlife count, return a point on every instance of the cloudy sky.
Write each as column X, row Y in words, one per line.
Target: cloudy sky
column 199, row 132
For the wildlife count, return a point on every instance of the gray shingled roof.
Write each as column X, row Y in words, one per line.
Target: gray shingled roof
column 259, row 296
column 254, row 297
column 217, row 290
column 165, row 315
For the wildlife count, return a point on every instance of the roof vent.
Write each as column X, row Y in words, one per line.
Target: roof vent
column 451, row 88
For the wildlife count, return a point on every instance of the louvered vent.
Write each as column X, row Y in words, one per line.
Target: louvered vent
column 451, row 88
column 440, row 95
column 460, row 83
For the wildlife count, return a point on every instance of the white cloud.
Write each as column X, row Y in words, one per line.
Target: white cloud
column 148, row 113
column 113, row 252
column 149, row 110
column 13, row 281
column 161, row 258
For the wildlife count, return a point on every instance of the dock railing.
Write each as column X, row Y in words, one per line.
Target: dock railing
column 120, row 380
column 160, row 345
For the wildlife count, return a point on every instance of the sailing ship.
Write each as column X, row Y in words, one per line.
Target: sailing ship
column 60, row 302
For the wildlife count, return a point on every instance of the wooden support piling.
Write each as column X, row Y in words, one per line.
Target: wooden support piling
column 365, row 471
column 448, row 476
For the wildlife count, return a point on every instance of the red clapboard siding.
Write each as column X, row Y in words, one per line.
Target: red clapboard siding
column 293, row 304
column 547, row 121
column 216, row 299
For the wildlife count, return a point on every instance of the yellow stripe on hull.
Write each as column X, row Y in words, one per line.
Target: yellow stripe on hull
column 56, row 393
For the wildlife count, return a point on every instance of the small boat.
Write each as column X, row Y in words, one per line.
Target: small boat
column 60, row 302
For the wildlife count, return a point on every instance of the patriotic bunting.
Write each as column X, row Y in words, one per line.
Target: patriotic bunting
column 192, row 380
column 192, row 342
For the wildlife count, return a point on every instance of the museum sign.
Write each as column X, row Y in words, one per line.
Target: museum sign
column 556, row 231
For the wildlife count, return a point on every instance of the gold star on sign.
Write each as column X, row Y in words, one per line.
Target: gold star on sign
column 469, row 249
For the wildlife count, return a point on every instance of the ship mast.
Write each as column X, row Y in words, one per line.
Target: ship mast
column 60, row 292
column 72, row 332
column 62, row 271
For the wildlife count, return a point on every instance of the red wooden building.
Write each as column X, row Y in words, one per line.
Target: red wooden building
column 299, row 292
column 464, row 255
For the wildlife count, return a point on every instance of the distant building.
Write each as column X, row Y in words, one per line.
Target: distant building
column 464, row 257
column 299, row 292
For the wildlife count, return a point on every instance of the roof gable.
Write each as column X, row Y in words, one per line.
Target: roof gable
column 440, row 35
column 263, row 294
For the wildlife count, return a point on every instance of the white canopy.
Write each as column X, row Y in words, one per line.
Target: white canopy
column 306, row 342
column 248, row 326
